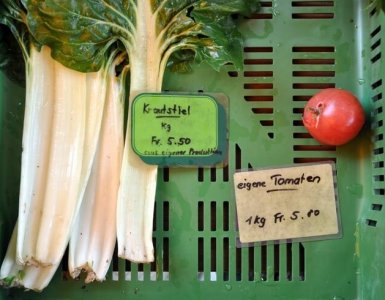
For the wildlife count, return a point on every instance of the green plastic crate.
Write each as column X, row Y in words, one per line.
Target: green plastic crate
column 293, row 49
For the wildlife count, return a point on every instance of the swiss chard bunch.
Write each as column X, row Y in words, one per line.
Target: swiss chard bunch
column 62, row 133
column 154, row 34
column 77, row 55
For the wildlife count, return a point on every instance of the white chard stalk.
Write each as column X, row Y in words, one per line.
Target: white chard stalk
column 36, row 131
column 138, row 180
column 96, row 92
column 149, row 52
column 52, row 159
column 13, row 274
column 96, row 89
column 31, row 275
column 93, row 238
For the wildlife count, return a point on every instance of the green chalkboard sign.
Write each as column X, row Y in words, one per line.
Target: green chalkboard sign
column 179, row 129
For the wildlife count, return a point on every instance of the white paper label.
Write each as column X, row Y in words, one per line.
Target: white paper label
column 286, row 203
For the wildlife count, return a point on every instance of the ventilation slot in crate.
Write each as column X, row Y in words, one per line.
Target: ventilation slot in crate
column 378, row 178
column 158, row 270
column 312, row 10
column 265, row 13
column 373, row 11
column 213, row 247
column 258, row 83
column 217, row 254
column 313, row 70
column 166, row 174
column 212, row 173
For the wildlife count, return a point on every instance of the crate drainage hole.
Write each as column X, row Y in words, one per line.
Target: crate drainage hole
column 255, row 263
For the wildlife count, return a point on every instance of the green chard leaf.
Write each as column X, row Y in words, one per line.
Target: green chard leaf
column 188, row 31
column 219, row 41
column 80, row 32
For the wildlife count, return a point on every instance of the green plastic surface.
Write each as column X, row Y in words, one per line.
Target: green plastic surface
column 293, row 49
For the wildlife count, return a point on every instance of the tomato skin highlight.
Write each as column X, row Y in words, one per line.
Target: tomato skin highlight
column 333, row 116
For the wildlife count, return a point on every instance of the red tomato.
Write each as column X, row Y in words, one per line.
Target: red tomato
column 333, row 116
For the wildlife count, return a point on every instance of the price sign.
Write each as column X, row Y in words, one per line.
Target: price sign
column 286, row 203
column 178, row 129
